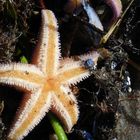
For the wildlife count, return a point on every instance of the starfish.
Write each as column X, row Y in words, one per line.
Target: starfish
column 45, row 82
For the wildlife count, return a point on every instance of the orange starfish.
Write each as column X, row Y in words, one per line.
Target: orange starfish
column 46, row 82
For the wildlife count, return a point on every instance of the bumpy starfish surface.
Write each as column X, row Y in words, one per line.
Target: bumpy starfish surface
column 45, row 82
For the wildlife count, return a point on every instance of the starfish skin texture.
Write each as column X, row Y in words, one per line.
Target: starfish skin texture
column 45, row 82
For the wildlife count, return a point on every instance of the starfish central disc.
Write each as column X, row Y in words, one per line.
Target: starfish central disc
column 51, row 84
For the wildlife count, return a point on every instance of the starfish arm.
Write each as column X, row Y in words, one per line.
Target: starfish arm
column 75, row 71
column 22, row 76
column 47, row 53
column 30, row 115
column 64, row 105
